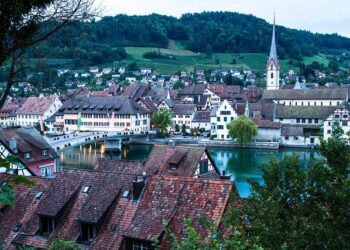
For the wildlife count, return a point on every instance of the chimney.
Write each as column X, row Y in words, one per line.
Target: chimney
column 137, row 187
column 13, row 145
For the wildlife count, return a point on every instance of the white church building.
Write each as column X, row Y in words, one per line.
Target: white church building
column 273, row 65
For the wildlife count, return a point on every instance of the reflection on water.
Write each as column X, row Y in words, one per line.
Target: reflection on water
column 241, row 164
column 238, row 163
column 86, row 156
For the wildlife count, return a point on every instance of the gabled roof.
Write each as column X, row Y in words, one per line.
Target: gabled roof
column 27, row 140
column 135, row 91
column 103, row 104
column 306, row 94
column 303, row 112
column 201, row 116
column 194, row 89
column 25, row 205
column 36, row 105
column 64, row 198
column 173, row 198
column 292, row 131
column 184, row 109
column 263, row 123
column 158, row 160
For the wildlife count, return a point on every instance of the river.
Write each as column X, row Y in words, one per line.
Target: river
column 238, row 163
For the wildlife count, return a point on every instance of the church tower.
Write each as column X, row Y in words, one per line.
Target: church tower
column 273, row 65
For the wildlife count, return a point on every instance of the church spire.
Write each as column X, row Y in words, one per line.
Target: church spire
column 273, row 51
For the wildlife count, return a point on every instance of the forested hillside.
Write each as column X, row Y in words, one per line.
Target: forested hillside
column 100, row 41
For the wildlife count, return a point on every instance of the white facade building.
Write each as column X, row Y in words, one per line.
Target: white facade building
column 273, row 65
column 37, row 109
column 224, row 114
column 340, row 114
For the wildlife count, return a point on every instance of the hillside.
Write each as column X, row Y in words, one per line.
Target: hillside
column 214, row 33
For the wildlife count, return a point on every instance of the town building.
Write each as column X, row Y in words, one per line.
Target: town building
column 224, row 114
column 35, row 155
column 183, row 115
column 37, row 109
column 307, row 97
column 110, row 113
column 273, row 65
column 341, row 114
column 201, row 120
column 84, row 206
column 8, row 116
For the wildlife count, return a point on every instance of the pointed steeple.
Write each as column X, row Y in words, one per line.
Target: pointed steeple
column 273, row 51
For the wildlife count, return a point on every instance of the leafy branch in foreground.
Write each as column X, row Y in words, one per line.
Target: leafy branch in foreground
column 7, row 195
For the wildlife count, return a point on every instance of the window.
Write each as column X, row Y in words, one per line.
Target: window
column 225, row 119
column 316, row 120
column 272, row 75
column 173, row 166
column 344, row 123
column 27, row 155
column 336, row 116
column 302, row 120
column 295, row 138
column 328, row 131
column 298, row 120
column 220, row 127
column 310, row 120
column 47, row 225
column 45, row 171
column 286, row 138
column 203, row 167
column 139, row 245
column 87, row 233
column 218, row 119
column 345, row 116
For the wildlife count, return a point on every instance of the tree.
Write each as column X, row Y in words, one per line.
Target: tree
column 194, row 240
column 7, row 195
column 184, row 129
column 243, row 129
column 300, row 208
column 162, row 120
column 25, row 23
column 59, row 244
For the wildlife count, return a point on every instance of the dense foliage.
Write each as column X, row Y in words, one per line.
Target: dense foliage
column 294, row 208
column 99, row 41
column 162, row 120
column 243, row 130
column 59, row 244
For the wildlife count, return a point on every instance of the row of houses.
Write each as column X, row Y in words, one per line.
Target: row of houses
column 120, row 204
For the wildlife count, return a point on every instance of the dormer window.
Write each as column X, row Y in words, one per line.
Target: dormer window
column 27, row 155
column 176, row 159
column 173, row 166
column 87, row 233
column 45, row 152
column 47, row 225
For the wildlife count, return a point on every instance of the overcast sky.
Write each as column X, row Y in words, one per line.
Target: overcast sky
column 323, row 16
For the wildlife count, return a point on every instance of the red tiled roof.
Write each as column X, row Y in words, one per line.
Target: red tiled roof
column 25, row 205
column 28, row 140
column 158, row 160
column 36, row 105
column 174, row 198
